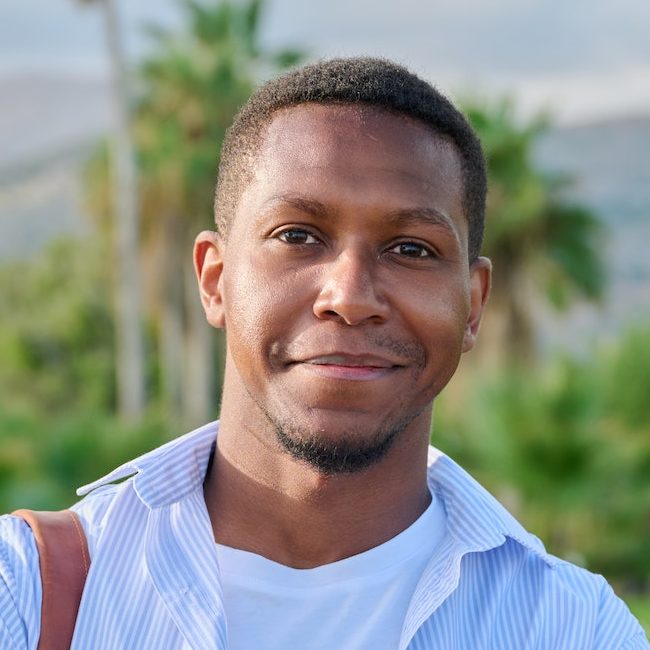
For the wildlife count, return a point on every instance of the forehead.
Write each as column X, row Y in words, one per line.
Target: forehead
column 357, row 153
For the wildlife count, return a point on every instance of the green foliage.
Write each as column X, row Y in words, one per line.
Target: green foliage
column 57, row 379
column 45, row 458
column 549, row 422
column 56, row 333
column 628, row 381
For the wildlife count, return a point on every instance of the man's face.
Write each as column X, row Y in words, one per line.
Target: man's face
column 345, row 288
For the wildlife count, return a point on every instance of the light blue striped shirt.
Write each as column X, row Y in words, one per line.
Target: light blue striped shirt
column 154, row 579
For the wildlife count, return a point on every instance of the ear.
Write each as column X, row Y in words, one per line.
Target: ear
column 480, row 281
column 208, row 264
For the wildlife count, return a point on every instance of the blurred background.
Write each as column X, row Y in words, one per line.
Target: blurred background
column 111, row 118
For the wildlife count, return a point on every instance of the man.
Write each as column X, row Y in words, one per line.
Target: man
column 347, row 275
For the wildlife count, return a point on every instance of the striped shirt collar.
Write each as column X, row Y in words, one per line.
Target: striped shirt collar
column 476, row 521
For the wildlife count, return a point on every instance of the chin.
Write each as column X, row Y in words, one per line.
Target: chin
column 336, row 447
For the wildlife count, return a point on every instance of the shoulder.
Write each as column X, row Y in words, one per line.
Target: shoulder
column 93, row 508
column 106, row 506
column 126, row 495
column 523, row 590
column 587, row 600
column 20, row 585
column 560, row 603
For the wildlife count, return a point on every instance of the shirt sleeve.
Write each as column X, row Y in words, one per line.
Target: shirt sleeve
column 638, row 642
column 20, row 586
column 617, row 627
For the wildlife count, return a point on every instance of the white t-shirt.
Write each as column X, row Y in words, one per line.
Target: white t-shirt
column 359, row 602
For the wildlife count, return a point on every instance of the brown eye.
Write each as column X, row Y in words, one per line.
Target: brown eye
column 411, row 249
column 297, row 236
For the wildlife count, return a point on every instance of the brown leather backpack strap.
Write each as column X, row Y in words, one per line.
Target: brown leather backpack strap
column 64, row 563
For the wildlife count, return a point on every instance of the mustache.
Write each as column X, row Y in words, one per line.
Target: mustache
column 369, row 343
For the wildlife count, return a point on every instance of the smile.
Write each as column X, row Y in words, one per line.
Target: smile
column 349, row 367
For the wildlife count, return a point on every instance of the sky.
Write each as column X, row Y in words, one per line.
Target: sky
column 584, row 59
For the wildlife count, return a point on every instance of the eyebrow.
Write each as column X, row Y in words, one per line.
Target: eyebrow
column 401, row 217
column 419, row 216
column 301, row 203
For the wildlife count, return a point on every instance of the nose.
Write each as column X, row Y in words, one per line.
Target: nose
column 350, row 291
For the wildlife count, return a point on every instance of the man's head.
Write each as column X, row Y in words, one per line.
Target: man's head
column 344, row 281
column 367, row 82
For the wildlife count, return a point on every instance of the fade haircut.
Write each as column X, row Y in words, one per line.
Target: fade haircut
column 368, row 82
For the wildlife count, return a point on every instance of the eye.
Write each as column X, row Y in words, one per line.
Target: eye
column 411, row 249
column 297, row 236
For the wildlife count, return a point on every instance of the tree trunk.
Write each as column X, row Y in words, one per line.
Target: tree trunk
column 172, row 321
column 130, row 346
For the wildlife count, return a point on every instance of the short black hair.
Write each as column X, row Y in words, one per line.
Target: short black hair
column 365, row 81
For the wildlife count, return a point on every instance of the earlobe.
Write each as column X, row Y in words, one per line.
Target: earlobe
column 480, row 282
column 208, row 264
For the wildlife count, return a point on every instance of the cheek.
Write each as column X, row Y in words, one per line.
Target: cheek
column 258, row 304
column 440, row 305
column 441, row 320
column 243, row 305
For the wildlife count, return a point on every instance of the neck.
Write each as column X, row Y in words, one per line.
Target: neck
column 262, row 500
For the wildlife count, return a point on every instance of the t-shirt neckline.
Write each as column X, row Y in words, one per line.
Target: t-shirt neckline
column 421, row 537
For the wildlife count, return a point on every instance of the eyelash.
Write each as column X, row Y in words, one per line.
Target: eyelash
column 428, row 252
column 282, row 236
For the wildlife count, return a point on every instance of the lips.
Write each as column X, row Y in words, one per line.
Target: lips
column 341, row 366
column 350, row 361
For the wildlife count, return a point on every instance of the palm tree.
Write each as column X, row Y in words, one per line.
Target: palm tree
column 130, row 364
column 542, row 245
